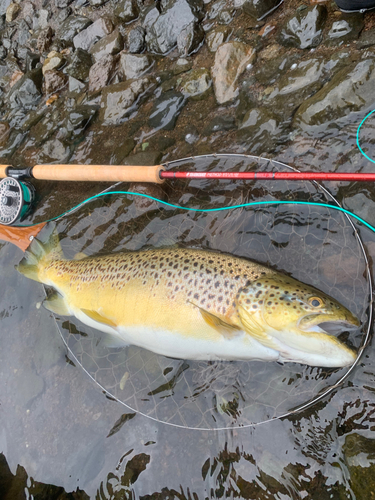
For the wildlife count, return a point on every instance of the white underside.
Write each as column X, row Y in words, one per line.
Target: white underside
column 240, row 347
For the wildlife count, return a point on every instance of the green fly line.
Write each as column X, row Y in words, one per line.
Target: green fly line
column 219, row 209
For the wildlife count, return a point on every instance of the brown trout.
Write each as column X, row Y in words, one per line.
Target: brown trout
column 194, row 304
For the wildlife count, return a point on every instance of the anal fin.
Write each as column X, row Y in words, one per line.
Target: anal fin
column 96, row 316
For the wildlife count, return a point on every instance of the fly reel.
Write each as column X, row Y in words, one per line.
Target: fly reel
column 16, row 199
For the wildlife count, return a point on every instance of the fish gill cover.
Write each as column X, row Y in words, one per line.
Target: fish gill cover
column 312, row 244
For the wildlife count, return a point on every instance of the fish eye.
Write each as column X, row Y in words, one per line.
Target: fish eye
column 315, row 302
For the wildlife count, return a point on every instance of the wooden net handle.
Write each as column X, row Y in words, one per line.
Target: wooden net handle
column 110, row 173
column 20, row 236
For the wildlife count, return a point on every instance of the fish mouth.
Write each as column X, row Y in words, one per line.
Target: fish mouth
column 328, row 324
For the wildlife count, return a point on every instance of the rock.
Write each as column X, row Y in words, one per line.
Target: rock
column 182, row 66
column 134, row 65
column 45, row 39
column 217, row 37
column 61, row 4
column 12, row 12
column 54, row 151
column 166, row 110
column 197, row 83
column 17, row 75
column 260, row 9
column 190, row 38
column 3, row 52
column 80, row 65
column 4, row 133
column 127, row 10
column 366, row 39
column 136, row 40
column 4, row 4
column 351, row 89
column 345, row 29
column 87, row 37
column 101, row 73
column 122, row 151
column 304, row 30
column 72, row 26
column 231, row 60
column 32, row 61
column 142, row 202
column 26, row 92
column 220, row 124
column 54, row 60
column 162, row 34
column 54, row 81
column 109, row 45
column 295, row 87
column 79, row 120
column 43, row 19
column 76, row 86
column 97, row 3
column 261, row 131
column 118, row 100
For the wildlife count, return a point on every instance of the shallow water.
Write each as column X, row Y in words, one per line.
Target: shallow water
column 64, row 430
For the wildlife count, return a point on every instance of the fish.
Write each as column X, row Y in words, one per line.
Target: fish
column 193, row 304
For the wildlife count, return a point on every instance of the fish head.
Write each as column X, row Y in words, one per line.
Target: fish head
column 297, row 319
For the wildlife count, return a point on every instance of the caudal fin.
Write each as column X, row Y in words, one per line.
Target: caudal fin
column 41, row 251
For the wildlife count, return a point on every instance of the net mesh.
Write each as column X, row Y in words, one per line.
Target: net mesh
column 315, row 245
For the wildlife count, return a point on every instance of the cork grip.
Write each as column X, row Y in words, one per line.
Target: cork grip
column 3, row 171
column 110, row 173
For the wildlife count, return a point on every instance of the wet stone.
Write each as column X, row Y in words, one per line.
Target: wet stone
column 259, row 9
column 127, row 10
column 366, row 39
column 54, row 81
column 119, row 100
column 80, row 65
column 220, row 124
column 134, row 65
column 87, row 37
column 61, row 4
column 162, row 34
column 54, row 151
column 109, row 45
column 27, row 91
column 217, row 37
column 345, row 29
column 190, row 38
column 54, row 60
column 304, row 30
column 166, row 110
column 296, row 86
column 43, row 19
column 122, row 151
column 76, row 86
column 101, row 73
column 136, row 40
column 261, row 131
column 45, row 39
column 351, row 89
column 79, row 120
column 12, row 12
column 4, row 4
column 72, row 26
column 97, row 3
column 3, row 52
column 231, row 60
column 154, row 190
column 197, row 83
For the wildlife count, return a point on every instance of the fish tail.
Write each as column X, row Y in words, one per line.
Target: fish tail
column 42, row 250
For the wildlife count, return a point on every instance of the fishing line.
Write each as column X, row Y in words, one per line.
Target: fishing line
column 359, row 128
column 207, row 210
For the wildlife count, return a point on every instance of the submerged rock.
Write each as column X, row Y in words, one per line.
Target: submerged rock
column 127, row 10
column 189, row 39
column 260, row 8
column 166, row 110
column 217, row 37
column 163, row 32
column 304, row 30
column 136, row 40
column 118, row 100
column 231, row 60
column 351, row 89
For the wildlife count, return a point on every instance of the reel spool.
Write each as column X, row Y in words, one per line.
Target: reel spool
column 16, row 199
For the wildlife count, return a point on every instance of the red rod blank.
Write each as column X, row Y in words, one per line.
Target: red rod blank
column 291, row 176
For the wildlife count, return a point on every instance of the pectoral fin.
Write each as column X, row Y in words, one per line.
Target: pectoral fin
column 95, row 316
column 253, row 328
column 226, row 329
column 79, row 256
column 56, row 304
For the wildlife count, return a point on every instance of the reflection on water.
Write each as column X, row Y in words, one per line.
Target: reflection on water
column 64, row 431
